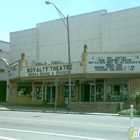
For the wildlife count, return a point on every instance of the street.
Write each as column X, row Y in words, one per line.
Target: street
column 53, row 126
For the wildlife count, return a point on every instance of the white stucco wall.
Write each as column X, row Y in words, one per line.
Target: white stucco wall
column 24, row 41
column 101, row 31
column 121, row 31
column 84, row 29
column 4, row 50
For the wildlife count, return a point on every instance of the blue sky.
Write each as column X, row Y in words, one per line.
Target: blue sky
column 24, row 14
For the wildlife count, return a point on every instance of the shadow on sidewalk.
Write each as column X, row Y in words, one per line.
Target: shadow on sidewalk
column 41, row 108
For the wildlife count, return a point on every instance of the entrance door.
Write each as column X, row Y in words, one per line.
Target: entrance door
column 89, row 93
column 66, row 94
column 49, row 94
column 3, row 91
column 86, row 93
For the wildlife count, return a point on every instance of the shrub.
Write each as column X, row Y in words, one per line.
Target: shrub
column 135, row 98
column 127, row 112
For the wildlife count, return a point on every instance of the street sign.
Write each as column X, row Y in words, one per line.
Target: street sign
column 57, row 81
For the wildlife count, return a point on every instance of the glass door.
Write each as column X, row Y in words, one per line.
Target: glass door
column 66, row 94
column 44, row 94
column 92, row 93
column 49, row 94
column 99, row 92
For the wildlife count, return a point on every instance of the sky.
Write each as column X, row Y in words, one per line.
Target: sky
column 19, row 15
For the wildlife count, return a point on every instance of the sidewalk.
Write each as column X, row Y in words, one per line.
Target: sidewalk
column 45, row 109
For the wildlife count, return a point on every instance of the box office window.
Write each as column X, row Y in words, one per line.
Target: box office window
column 24, row 88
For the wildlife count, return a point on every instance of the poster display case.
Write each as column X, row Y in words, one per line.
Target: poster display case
column 37, row 94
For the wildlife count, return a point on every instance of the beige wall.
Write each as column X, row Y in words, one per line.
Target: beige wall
column 134, row 85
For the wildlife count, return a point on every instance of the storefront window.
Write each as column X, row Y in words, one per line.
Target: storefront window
column 99, row 92
column 37, row 94
column 116, row 92
column 24, row 88
column 37, row 91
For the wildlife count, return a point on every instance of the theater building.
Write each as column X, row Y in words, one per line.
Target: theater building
column 100, row 81
column 103, row 75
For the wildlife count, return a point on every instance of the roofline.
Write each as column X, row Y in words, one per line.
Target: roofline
column 4, row 42
column 121, row 10
column 23, row 30
column 73, row 16
column 4, row 61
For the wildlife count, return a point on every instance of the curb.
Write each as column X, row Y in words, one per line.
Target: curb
column 60, row 112
column 67, row 112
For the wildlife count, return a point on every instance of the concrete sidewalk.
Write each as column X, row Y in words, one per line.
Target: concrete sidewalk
column 45, row 109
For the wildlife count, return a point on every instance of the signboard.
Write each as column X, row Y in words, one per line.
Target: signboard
column 113, row 63
column 50, row 70
column 13, row 70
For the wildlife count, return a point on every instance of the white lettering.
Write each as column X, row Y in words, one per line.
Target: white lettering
column 62, row 72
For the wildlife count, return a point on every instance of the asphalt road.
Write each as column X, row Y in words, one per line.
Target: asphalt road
column 53, row 126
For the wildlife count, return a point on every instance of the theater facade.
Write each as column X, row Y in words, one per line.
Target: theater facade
column 104, row 73
column 100, row 81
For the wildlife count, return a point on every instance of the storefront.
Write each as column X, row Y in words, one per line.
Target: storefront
column 117, row 89
column 100, row 82
column 36, row 84
column 110, row 79
column 93, row 90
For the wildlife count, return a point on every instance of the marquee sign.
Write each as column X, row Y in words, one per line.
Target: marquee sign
column 49, row 70
column 113, row 63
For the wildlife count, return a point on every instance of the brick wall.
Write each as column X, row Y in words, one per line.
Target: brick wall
column 15, row 99
column 104, row 107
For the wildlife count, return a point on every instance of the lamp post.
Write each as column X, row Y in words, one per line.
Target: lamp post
column 66, row 23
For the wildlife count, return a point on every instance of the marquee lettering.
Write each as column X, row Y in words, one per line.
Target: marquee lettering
column 41, row 69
